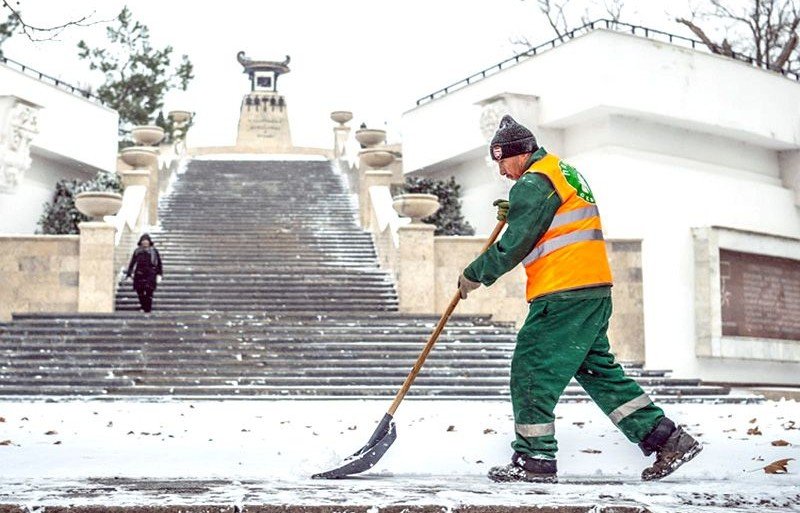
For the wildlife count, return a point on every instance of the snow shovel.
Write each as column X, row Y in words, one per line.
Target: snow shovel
column 385, row 434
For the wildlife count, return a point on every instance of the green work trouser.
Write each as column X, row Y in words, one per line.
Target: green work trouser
column 565, row 337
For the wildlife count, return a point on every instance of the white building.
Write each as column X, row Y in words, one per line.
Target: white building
column 673, row 142
column 49, row 131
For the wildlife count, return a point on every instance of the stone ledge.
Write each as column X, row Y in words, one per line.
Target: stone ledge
column 340, row 508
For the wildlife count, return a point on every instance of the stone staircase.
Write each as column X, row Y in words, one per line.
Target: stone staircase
column 271, row 290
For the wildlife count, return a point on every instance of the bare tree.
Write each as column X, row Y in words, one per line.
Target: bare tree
column 37, row 33
column 562, row 17
column 765, row 30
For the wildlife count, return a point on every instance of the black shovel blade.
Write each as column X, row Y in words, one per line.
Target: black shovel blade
column 366, row 457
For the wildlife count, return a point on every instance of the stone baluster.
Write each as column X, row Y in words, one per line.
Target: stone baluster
column 340, row 132
column 372, row 169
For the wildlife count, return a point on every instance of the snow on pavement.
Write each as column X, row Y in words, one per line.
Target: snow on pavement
column 441, row 456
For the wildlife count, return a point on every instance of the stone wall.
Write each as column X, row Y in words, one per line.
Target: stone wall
column 38, row 273
column 505, row 300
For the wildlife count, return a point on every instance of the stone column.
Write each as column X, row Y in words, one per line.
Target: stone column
column 416, row 270
column 375, row 177
column 372, row 168
column 146, row 157
column 340, row 135
column 96, row 267
column 138, row 177
column 341, row 131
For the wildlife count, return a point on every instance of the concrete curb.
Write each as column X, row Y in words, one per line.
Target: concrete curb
column 288, row 508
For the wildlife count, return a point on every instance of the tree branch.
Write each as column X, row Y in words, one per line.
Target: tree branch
column 33, row 31
column 714, row 47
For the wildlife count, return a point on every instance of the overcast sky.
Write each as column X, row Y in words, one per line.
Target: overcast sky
column 374, row 57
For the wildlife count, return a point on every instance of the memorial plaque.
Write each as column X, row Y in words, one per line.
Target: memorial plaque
column 760, row 295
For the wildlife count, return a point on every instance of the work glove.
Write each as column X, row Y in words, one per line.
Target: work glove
column 465, row 286
column 502, row 209
column 159, row 278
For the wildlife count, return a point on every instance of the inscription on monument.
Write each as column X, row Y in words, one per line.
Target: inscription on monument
column 760, row 295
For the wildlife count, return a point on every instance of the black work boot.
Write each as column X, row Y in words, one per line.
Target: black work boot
column 525, row 468
column 673, row 447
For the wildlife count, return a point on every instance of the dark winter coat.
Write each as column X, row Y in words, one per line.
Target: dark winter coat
column 144, row 267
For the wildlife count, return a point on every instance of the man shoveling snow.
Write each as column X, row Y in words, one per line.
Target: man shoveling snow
column 554, row 230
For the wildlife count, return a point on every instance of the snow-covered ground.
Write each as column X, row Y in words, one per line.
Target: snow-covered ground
column 259, row 450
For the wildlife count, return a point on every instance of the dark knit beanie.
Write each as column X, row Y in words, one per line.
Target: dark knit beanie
column 511, row 139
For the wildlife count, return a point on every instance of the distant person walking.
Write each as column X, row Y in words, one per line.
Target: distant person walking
column 145, row 267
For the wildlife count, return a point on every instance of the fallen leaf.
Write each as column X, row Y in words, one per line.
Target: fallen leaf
column 757, row 458
column 754, row 431
column 789, row 425
column 478, row 461
column 2, row 419
column 579, row 424
column 51, row 432
column 778, row 466
column 591, row 451
column 57, row 442
column 489, row 431
column 352, row 428
column 245, row 430
column 451, row 428
column 110, row 424
column 780, row 443
column 753, row 420
column 728, row 430
column 5, row 442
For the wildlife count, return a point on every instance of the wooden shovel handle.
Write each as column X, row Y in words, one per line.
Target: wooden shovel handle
column 439, row 327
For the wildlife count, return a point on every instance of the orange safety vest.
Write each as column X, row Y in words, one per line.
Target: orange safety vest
column 572, row 253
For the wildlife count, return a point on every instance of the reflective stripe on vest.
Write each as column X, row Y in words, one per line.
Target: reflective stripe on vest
column 574, row 215
column 560, row 242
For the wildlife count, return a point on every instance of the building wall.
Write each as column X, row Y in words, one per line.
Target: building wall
column 20, row 211
column 38, row 274
column 76, row 139
column 593, row 75
column 70, row 126
column 667, row 145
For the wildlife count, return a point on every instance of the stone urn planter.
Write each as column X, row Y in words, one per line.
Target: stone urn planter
column 139, row 156
column 95, row 205
column 147, row 135
column 341, row 116
column 179, row 116
column 416, row 206
column 370, row 136
column 376, row 158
